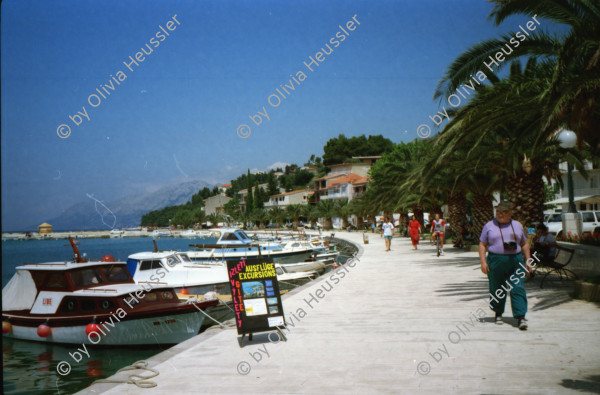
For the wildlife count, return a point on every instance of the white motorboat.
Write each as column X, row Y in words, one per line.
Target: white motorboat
column 307, row 266
column 177, row 270
column 160, row 233
column 116, row 233
column 282, row 275
column 235, row 244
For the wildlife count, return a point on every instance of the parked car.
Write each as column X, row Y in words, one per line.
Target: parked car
column 591, row 222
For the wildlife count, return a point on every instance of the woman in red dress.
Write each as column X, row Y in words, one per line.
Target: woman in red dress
column 414, row 228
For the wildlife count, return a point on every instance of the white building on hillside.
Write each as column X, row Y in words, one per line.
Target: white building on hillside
column 301, row 196
column 215, row 204
column 586, row 193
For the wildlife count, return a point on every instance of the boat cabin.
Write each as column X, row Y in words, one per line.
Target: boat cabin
column 71, row 288
column 234, row 237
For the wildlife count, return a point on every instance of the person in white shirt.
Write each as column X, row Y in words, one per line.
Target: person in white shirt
column 387, row 231
column 438, row 227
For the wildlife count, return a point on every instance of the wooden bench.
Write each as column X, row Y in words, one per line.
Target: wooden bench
column 557, row 265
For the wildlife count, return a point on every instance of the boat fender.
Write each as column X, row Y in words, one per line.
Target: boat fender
column 184, row 291
column 44, row 330
column 6, row 327
column 92, row 327
column 212, row 295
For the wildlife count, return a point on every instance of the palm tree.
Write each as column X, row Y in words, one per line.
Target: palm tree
column 215, row 218
column 357, row 207
column 508, row 144
column 198, row 215
column 294, row 211
column 311, row 213
column 261, row 216
column 277, row 214
column 385, row 191
column 571, row 98
column 326, row 209
column 342, row 210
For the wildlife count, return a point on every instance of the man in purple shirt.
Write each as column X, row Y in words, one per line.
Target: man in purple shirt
column 506, row 243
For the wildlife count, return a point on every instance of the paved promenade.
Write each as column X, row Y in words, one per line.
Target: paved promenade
column 392, row 314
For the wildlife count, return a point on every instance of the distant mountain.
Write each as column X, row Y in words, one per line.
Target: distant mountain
column 126, row 212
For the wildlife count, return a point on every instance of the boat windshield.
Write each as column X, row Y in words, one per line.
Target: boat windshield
column 242, row 235
column 86, row 277
column 184, row 258
column 172, row 260
column 115, row 274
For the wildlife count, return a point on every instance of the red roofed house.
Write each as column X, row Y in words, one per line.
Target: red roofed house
column 340, row 186
column 223, row 188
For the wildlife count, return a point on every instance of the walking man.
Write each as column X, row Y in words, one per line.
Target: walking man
column 387, row 231
column 506, row 243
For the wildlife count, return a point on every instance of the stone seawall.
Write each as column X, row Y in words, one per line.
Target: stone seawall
column 586, row 259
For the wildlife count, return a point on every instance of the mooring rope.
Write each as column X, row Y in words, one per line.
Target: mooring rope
column 143, row 381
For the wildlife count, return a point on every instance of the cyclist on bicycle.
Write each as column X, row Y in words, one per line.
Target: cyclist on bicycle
column 437, row 229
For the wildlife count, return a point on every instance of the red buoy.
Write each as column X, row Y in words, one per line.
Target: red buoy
column 6, row 327
column 108, row 258
column 44, row 330
column 335, row 265
column 92, row 327
column 184, row 291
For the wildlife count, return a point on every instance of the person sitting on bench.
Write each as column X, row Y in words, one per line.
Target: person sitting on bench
column 544, row 244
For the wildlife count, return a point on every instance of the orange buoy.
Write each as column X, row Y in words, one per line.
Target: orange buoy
column 44, row 330
column 92, row 327
column 335, row 265
column 184, row 291
column 93, row 372
column 6, row 327
column 108, row 258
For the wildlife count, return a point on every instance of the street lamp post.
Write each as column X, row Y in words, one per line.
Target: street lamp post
column 572, row 208
column 572, row 220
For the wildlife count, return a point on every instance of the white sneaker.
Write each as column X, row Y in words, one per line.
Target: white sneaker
column 522, row 324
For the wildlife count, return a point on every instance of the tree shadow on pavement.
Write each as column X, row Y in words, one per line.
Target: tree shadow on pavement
column 554, row 293
column 591, row 384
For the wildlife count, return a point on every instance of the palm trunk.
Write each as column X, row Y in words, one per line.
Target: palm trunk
column 418, row 212
column 328, row 223
column 360, row 223
column 483, row 212
column 526, row 193
column 403, row 223
column 457, row 211
column 344, row 222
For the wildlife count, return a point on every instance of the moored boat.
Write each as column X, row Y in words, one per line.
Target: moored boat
column 235, row 244
column 94, row 302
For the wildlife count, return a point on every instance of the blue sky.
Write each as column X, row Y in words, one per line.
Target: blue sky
column 174, row 117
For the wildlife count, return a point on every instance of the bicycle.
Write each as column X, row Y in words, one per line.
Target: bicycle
column 437, row 244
